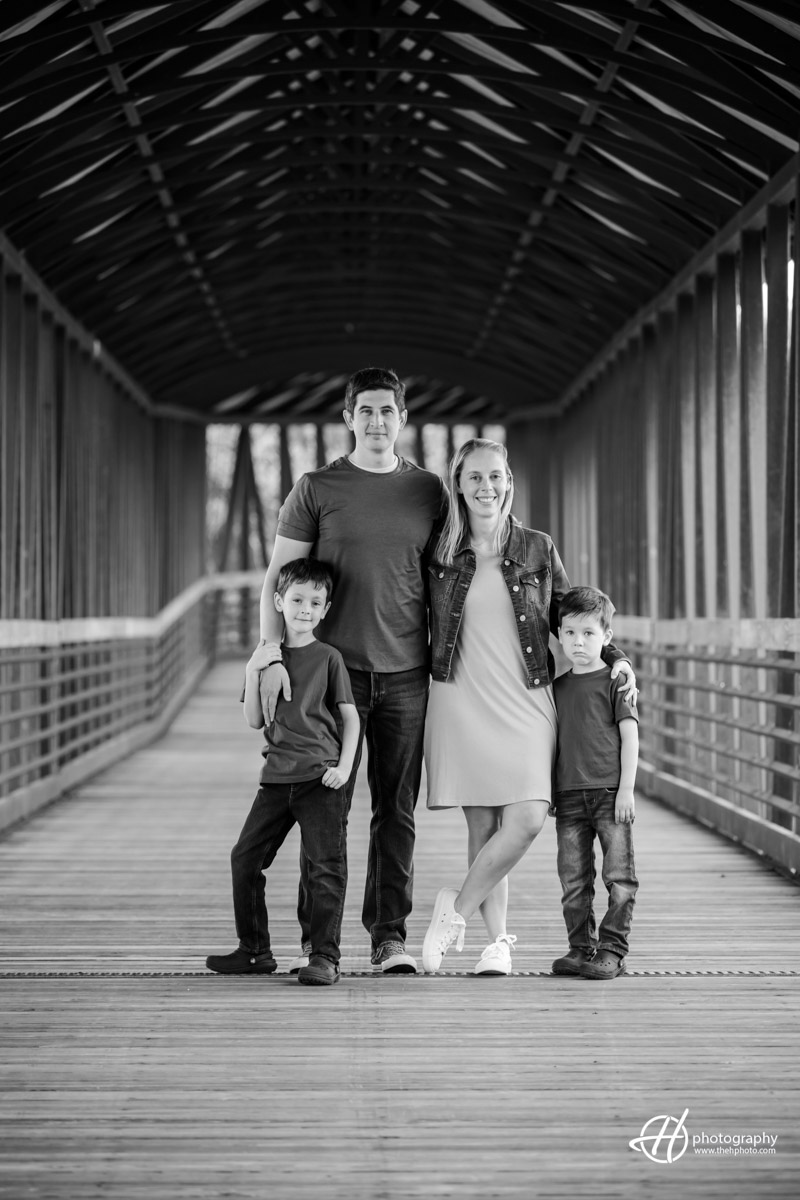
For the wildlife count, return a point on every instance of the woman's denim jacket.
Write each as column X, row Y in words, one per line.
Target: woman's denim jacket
column 536, row 581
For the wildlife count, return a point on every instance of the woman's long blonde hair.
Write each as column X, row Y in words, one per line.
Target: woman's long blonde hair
column 456, row 524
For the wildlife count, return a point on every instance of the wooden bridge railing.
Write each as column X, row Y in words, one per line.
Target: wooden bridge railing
column 720, row 734
column 720, row 704
column 77, row 695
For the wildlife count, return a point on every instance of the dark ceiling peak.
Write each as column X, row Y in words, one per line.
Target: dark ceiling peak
column 230, row 195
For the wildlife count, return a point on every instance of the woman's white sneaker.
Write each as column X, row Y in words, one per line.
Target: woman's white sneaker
column 496, row 958
column 447, row 926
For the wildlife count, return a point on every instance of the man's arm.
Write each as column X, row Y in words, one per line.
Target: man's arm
column 276, row 678
column 624, row 806
column 253, row 709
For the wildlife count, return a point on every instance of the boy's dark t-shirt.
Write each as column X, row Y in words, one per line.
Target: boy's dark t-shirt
column 589, row 708
column 303, row 741
column 371, row 528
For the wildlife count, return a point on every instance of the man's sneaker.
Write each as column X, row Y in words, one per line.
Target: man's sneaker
column 605, row 965
column 319, row 970
column 447, row 926
column 301, row 960
column 392, row 959
column 572, row 962
column 496, row 958
column 241, row 962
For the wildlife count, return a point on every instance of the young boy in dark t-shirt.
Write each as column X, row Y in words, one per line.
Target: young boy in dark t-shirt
column 598, row 749
column 303, row 780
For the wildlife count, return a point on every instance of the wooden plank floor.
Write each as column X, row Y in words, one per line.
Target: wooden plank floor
column 128, row 1071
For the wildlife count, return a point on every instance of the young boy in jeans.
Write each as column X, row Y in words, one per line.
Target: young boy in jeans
column 598, row 750
column 303, row 780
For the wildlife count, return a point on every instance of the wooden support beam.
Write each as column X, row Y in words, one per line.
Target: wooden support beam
column 285, row 462
column 730, row 425
column 687, row 444
column 779, row 466
column 754, row 428
column 707, row 438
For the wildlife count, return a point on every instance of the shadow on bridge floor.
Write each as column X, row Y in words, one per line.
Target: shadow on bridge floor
column 130, row 1069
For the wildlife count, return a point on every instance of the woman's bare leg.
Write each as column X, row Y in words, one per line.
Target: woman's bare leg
column 519, row 825
column 482, row 824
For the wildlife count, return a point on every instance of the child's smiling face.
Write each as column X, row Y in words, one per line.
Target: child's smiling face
column 303, row 606
column 583, row 638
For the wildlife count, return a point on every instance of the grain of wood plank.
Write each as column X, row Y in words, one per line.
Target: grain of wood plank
column 121, row 1082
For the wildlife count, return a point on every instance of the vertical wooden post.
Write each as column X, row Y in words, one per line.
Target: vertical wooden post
column 285, row 461
column 651, row 484
column 779, row 481
column 754, row 416
column 687, row 446
column 730, row 425
column 237, row 482
column 707, row 434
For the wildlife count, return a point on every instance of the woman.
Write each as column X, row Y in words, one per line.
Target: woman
column 491, row 727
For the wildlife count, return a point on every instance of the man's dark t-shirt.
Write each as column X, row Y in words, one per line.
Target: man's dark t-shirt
column 371, row 528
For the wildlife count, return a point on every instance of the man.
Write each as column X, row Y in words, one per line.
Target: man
column 370, row 515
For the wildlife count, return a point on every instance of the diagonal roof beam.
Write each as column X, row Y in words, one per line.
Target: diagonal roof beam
column 560, row 172
column 156, row 176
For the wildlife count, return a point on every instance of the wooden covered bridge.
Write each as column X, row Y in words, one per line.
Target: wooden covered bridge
column 570, row 224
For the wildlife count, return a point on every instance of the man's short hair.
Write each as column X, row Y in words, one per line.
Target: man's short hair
column 586, row 602
column 369, row 379
column 305, row 570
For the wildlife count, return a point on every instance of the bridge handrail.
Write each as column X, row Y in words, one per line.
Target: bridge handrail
column 768, row 633
column 77, row 695
column 19, row 634
column 720, row 723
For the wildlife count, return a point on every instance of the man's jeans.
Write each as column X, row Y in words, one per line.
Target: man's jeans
column 391, row 708
column 580, row 816
column 321, row 813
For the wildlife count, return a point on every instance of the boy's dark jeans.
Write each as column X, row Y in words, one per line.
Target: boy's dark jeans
column 321, row 813
column 580, row 817
column 391, row 708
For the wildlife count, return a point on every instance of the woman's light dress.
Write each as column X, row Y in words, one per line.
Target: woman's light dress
column 489, row 738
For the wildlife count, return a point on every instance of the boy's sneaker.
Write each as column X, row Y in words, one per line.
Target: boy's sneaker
column 605, row 965
column 241, row 962
column 447, row 926
column 392, row 959
column 496, row 958
column 572, row 962
column 319, row 970
column 301, row 960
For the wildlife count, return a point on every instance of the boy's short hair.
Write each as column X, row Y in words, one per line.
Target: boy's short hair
column 369, row 379
column 305, row 570
column 586, row 602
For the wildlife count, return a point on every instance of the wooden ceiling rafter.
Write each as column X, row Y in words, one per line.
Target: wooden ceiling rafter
column 502, row 183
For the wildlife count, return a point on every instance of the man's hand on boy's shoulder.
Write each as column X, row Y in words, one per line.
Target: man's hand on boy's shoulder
column 264, row 654
column 623, row 671
column 624, row 807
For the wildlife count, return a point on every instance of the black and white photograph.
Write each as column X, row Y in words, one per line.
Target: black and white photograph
column 399, row 600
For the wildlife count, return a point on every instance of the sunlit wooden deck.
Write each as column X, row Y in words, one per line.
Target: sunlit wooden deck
column 128, row 1070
